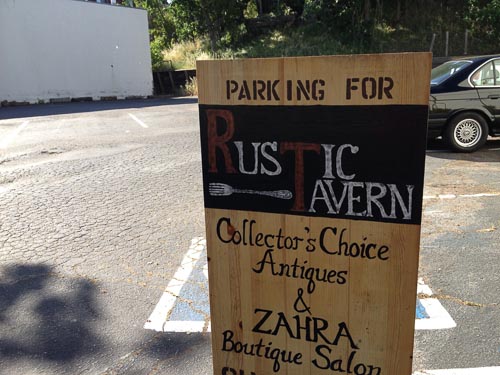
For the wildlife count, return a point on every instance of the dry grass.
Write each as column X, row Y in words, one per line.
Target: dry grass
column 191, row 87
column 184, row 55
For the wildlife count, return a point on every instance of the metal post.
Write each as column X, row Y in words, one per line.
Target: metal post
column 466, row 41
column 446, row 43
column 432, row 42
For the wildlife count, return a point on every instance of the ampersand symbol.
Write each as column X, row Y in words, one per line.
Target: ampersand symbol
column 300, row 302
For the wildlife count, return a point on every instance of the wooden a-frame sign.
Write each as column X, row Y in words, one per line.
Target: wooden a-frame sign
column 313, row 178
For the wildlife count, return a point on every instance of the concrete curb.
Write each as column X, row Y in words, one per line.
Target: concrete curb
column 14, row 103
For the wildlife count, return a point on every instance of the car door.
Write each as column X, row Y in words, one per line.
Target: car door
column 487, row 82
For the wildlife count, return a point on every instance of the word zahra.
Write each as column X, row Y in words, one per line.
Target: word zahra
column 336, row 192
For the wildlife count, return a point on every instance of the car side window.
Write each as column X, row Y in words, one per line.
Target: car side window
column 488, row 75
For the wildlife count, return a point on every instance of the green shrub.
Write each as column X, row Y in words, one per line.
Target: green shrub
column 157, row 61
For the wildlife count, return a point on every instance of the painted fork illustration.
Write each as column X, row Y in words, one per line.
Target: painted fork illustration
column 218, row 189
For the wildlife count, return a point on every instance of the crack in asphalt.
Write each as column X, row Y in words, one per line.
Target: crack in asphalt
column 454, row 299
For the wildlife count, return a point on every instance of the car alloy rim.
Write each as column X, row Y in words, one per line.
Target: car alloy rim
column 468, row 133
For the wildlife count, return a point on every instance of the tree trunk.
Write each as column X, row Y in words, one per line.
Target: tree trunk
column 213, row 41
column 259, row 6
column 366, row 10
column 268, row 6
column 379, row 10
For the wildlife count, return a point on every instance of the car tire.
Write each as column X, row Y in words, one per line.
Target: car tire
column 466, row 132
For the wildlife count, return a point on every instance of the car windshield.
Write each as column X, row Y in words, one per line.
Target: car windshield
column 446, row 70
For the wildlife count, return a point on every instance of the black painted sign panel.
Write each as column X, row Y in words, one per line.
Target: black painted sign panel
column 352, row 162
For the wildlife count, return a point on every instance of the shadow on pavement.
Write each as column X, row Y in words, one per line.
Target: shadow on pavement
column 85, row 107
column 166, row 353
column 490, row 152
column 40, row 323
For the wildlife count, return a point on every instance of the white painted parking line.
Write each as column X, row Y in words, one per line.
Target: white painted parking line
column 462, row 371
column 159, row 320
column 479, row 195
column 453, row 196
column 138, row 121
column 437, row 316
column 184, row 306
column 447, row 196
column 494, row 149
column 185, row 326
column 7, row 140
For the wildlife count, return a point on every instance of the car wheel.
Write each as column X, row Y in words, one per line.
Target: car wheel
column 466, row 132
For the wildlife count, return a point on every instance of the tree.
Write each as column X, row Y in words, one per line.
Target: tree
column 218, row 19
column 161, row 25
column 297, row 6
column 161, row 28
column 484, row 18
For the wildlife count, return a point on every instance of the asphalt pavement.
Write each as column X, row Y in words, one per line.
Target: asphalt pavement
column 100, row 202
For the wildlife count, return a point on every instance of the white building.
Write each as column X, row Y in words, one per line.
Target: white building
column 68, row 49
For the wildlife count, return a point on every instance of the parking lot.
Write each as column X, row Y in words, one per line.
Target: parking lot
column 102, row 204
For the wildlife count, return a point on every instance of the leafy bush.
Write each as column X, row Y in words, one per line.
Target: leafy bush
column 157, row 61
column 182, row 31
column 484, row 20
column 216, row 19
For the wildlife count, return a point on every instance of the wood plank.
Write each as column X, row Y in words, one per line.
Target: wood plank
column 217, row 79
column 375, row 301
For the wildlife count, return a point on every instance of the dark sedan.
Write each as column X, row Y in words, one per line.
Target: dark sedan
column 465, row 102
